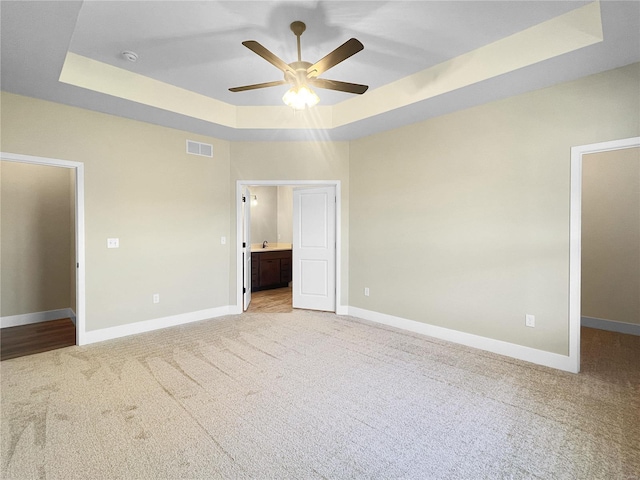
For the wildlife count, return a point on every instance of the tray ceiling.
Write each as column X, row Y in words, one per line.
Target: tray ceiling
column 421, row 58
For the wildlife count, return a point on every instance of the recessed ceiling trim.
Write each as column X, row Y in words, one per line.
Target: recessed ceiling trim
column 571, row 31
column 283, row 117
column 100, row 77
column 568, row 32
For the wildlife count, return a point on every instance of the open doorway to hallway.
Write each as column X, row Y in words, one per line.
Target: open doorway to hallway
column 585, row 255
column 38, row 258
column 43, row 287
column 611, row 240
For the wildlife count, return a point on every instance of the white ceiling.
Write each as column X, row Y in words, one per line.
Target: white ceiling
column 197, row 46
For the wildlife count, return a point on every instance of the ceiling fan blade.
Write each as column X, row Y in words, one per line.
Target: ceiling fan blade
column 344, row 51
column 340, row 86
column 268, row 56
column 258, row 85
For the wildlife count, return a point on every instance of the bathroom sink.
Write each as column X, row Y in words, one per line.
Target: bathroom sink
column 257, row 248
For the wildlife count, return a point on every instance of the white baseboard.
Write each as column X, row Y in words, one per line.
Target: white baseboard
column 110, row 333
column 610, row 325
column 540, row 357
column 36, row 317
column 528, row 354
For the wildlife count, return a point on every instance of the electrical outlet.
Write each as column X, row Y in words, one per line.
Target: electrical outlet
column 156, row 298
column 113, row 243
column 530, row 320
column 366, row 291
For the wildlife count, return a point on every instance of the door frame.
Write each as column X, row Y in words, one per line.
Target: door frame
column 245, row 242
column 79, row 228
column 575, row 238
column 340, row 309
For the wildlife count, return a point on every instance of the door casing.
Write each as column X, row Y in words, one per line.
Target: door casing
column 245, row 240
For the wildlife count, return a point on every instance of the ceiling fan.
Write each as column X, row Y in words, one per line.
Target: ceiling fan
column 301, row 75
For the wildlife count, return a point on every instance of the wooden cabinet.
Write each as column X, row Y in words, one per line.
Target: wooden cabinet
column 270, row 269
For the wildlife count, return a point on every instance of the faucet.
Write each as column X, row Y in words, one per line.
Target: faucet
column 265, row 244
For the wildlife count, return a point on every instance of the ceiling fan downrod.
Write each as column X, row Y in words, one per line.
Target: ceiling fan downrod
column 298, row 29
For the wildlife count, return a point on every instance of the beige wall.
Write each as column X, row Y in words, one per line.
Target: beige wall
column 611, row 235
column 285, row 214
column 264, row 215
column 462, row 221
column 272, row 214
column 36, row 238
column 168, row 209
column 292, row 161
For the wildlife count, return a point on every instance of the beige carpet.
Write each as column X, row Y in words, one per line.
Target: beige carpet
column 311, row 395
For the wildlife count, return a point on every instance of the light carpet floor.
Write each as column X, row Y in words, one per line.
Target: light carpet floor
column 309, row 395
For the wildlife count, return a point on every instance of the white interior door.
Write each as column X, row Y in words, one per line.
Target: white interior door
column 314, row 248
column 246, row 247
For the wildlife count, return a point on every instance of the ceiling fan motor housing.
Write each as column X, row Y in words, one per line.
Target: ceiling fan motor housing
column 301, row 73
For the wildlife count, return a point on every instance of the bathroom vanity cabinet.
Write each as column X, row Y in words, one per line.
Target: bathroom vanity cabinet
column 270, row 269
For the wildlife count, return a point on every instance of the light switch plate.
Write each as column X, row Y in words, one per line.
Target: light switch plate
column 530, row 320
column 113, row 243
column 223, row 240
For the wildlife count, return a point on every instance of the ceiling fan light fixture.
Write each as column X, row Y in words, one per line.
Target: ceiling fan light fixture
column 300, row 97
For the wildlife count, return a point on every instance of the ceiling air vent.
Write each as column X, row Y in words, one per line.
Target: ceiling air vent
column 197, row 148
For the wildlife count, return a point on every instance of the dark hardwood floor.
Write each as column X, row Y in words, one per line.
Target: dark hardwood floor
column 36, row 337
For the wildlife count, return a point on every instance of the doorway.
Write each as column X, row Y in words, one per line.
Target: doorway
column 77, row 174
column 240, row 224
column 575, row 238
